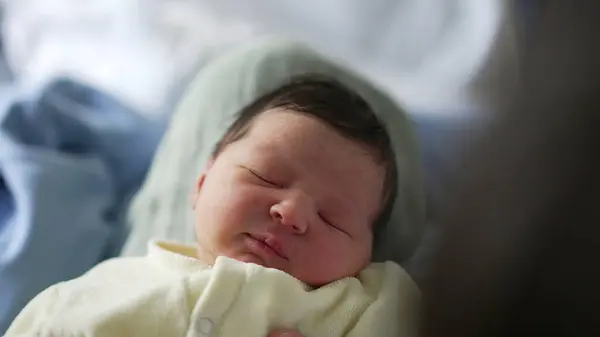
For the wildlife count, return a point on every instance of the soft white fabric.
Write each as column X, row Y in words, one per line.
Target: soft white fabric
column 434, row 55
column 220, row 90
column 170, row 293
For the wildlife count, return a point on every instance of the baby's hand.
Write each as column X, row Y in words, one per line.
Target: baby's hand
column 285, row 333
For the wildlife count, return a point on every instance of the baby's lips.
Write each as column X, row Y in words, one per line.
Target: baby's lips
column 276, row 245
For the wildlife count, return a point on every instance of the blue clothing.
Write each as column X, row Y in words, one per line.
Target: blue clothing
column 70, row 160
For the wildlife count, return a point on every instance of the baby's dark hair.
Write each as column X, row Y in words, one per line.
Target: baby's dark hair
column 337, row 106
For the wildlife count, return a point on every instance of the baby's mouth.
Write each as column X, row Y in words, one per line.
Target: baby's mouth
column 269, row 243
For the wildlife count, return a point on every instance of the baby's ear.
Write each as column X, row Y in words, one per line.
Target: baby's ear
column 200, row 182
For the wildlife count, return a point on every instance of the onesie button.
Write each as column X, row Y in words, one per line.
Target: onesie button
column 204, row 326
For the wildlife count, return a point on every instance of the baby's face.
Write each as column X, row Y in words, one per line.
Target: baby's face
column 294, row 195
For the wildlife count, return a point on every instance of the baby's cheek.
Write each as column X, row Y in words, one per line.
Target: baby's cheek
column 243, row 206
column 254, row 199
column 347, row 258
column 327, row 257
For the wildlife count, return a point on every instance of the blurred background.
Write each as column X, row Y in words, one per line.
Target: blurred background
column 87, row 89
column 435, row 56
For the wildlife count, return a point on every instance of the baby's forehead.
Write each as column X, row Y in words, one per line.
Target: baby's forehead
column 289, row 136
column 284, row 126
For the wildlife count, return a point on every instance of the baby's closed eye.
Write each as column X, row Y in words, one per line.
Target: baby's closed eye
column 334, row 225
column 331, row 223
column 261, row 177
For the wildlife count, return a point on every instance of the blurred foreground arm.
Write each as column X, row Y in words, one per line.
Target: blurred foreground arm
column 522, row 237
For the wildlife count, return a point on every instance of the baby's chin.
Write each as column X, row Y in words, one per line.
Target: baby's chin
column 250, row 258
column 255, row 259
column 210, row 258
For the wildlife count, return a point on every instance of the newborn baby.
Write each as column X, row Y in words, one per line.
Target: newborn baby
column 285, row 215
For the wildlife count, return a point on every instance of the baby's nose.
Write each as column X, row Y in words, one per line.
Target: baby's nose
column 294, row 213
